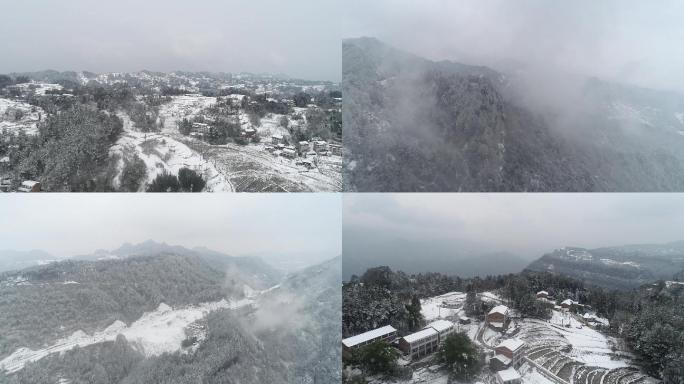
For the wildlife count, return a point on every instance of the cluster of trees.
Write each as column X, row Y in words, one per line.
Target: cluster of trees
column 46, row 310
column 187, row 180
column 70, row 152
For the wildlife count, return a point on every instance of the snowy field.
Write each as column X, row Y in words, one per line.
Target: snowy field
column 154, row 333
column 17, row 115
column 444, row 306
column 161, row 152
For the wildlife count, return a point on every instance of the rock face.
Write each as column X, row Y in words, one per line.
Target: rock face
column 415, row 125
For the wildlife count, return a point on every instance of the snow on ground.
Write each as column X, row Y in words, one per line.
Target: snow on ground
column 183, row 107
column 491, row 297
column 531, row 376
column 161, row 152
column 434, row 307
column 39, row 88
column 29, row 116
column 154, row 333
column 588, row 345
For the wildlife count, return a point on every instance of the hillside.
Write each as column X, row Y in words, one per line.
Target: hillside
column 282, row 336
column 416, row 125
column 622, row 267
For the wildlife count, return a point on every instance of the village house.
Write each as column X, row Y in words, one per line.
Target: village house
column 498, row 317
column 303, row 146
column 542, row 295
column 509, row 353
column 420, row 344
column 387, row 333
column 508, row 376
column 277, row 139
column 568, row 304
column 249, row 132
column 289, row 153
column 335, row 149
column 320, row 146
column 29, row 186
column 463, row 320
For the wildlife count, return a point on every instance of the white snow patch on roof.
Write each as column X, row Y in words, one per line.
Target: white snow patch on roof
column 422, row 334
column 370, row 335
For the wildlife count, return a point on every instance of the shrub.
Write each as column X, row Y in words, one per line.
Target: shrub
column 190, row 181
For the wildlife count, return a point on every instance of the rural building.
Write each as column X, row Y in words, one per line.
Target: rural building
column 498, row 317
column 303, row 146
column 320, row 145
column 508, row 376
column 513, row 350
column 250, row 132
column 277, row 139
column 335, row 149
column 542, row 295
column 387, row 333
column 289, row 153
column 443, row 327
column 420, row 344
column 29, row 186
column 568, row 304
column 463, row 320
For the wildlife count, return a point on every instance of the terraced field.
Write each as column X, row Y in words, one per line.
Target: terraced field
column 576, row 354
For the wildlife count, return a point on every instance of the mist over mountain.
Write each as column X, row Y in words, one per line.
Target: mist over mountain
column 417, row 125
column 620, row 267
column 458, row 258
column 153, row 312
column 14, row 260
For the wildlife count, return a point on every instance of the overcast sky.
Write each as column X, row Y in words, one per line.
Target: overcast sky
column 300, row 38
column 74, row 224
column 634, row 41
column 525, row 224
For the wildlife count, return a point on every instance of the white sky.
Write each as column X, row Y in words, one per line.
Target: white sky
column 300, row 38
column 73, row 224
column 526, row 224
column 633, row 41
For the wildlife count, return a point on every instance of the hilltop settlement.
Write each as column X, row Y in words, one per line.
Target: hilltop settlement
column 158, row 132
column 523, row 328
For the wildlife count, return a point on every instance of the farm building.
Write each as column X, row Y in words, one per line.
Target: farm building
column 29, row 186
column 387, row 333
column 443, row 327
column 303, row 146
column 335, row 149
column 320, row 145
column 277, row 139
column 420, row 344
column 542, row 295
column 511, row 352
column 249, row 132
column 508, row 376
column 498, row 317
column 289, row 153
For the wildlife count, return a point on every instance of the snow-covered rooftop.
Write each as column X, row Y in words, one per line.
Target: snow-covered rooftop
column 440, row 325
column 502, row 309
column 511, row 344
column 542, row 293
column 503, row 359
column 366, row 336
column 422, row 334
column 509, row 374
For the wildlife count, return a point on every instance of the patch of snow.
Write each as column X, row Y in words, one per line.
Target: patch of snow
column 154, row 333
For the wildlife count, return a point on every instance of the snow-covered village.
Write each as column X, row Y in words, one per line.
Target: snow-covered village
column 566, row 343
column 178, row 131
